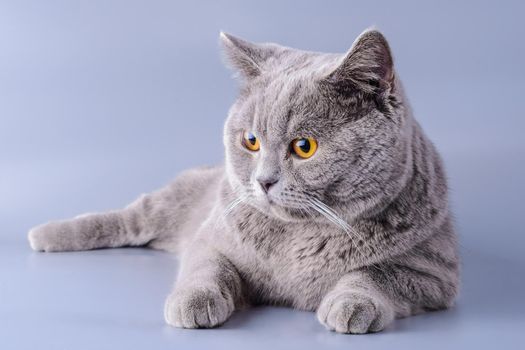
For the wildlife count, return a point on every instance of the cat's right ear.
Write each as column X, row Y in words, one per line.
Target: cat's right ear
column 368, row 66
column 244, row 57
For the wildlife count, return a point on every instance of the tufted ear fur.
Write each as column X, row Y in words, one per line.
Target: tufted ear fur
column 248, row 59
column 368, row 66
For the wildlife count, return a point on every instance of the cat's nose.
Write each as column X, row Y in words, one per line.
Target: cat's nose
column 266, row 184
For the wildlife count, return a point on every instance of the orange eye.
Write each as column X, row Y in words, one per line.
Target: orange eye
column 304, row 147
column 250, row 141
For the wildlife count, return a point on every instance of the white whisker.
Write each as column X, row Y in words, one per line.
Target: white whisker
column 308, row 204
column 330, row 214
column 235, row 203
column 245, row 194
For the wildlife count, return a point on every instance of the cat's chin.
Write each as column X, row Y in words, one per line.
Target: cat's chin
column 272, row 208
column 284, row 213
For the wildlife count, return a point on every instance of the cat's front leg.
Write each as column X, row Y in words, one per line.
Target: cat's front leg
column 367, row 300
column 207, row 292
column 355, row 305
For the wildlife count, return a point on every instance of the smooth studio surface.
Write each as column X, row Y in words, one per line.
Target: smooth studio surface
column 113, row 299
column 101, row 101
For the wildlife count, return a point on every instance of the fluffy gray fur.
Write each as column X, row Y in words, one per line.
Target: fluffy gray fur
column 361, row 232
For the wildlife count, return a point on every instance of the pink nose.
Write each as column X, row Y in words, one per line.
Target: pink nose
column 266, row 184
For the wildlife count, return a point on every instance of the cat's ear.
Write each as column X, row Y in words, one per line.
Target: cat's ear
column 246, row 58
column 368, row 66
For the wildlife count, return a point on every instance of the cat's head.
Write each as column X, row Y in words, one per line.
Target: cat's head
column 313, row 131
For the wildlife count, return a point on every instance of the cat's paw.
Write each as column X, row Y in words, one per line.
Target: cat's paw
column 354, row 312
column 197, row 307
column 50, row 237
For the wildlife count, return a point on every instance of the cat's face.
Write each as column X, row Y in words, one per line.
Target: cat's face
column 312, row 132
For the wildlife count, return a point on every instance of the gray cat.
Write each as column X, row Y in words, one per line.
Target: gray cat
column 331, row 199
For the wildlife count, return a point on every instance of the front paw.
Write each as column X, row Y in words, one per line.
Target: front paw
column 198, row 307
column 354, row 312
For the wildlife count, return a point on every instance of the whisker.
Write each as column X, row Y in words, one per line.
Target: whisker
column 332, row 213
column 245, row 193
column 305, row 203
column 324, row 209
column 235, row 203
column 327, row 215
column 301, row 205
column 337, row 221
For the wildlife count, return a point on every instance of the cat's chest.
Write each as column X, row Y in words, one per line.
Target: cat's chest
column 293, row 263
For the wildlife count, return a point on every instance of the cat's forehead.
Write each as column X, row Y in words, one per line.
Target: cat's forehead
column 284, row 105
column 286, row 100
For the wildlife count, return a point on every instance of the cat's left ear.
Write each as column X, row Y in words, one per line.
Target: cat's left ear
column 247, row 58
column 368, row 66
